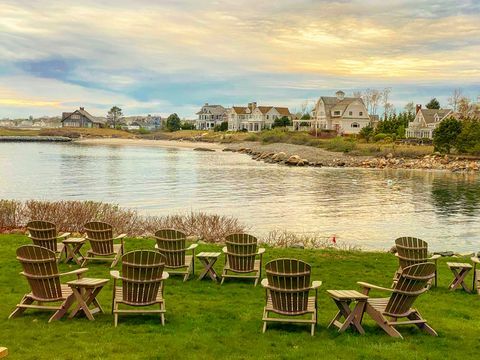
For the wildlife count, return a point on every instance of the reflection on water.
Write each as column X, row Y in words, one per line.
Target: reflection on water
column 366, row 207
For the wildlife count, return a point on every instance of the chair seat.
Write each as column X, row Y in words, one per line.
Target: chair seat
column 188, row 262
column 310, row 306
column 379, row 304
column 116, row 250
column 119, row 297
column 256, row 267
column 66, row 292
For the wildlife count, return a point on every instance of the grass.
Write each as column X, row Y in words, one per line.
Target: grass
column 70, row 132
column 205, row 320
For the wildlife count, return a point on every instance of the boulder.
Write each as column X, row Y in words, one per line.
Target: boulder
column 203, row 149
column 293, row 160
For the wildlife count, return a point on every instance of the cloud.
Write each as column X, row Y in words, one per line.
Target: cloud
column 178, row 54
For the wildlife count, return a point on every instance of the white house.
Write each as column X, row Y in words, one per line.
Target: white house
column 255, row 118
column 345, row 115
column 426, row 120
column 209, row 116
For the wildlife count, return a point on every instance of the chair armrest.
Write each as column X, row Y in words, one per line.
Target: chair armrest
column 156, row 246
column 435, row 257
column 115, row 274
column 193, row 246
column 264, row 282
column 316, row 284
column 64, row 235
column 370, row 286
column 261, row 251
column 165, row 275
column 475, row 259
column 74, row 272
column 121, row 236
column 224, row 250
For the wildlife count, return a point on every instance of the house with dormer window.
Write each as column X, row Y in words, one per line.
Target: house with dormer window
column 425, row 122
column 209, row 116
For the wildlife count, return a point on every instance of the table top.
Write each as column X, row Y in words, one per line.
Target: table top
column 347, row 295
column 87, row 282
column 459, row 265
column 74, row 240
column 208, row 254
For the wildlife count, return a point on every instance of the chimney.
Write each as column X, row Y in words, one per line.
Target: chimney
column 340, row 95
column 82, row 108
column 418, row 107
column 254, row 105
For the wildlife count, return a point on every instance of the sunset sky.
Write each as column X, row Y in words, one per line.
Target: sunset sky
column 169, row 56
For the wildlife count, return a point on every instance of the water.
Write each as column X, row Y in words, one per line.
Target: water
column 369, row 208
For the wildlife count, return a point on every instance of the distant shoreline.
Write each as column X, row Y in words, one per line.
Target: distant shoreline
column 179, row 144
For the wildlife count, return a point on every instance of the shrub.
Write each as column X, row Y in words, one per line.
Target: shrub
column 445, row 135
column 468, row 141
column 173, row 123
column 222, row 127
column 282, row 122
column 380, row 137
column 187, row 126
column 341, row 144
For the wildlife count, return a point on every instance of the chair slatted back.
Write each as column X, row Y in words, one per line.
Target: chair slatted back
column 411, row 283
column 141, row 276
column 241, row 252
column 411, row 251
column 100, row 236
column 172, row 244
column 289, row 285
column 43, row 233
column 40, row 268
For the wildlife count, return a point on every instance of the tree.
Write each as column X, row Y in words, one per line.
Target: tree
column 410, row 108
column 282, row 122
column 187, row 126
column 305, row 117
column 367, row 132
column 454, row 100
column 114, row 116
column 387, row 106
column 433, row 104
column 173, row 122
column 445, row 135
column 469, row 139
column 221, row 127
column 464, row 106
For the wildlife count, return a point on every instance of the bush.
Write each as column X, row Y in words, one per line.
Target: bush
column 187, row 126
column 222, row 127
column 341, row 144
column 468, row 141
column 445, row 135
column 367, row 132
column 380, row 137
column 143, row 131
column 173, row 123
column 282, row 122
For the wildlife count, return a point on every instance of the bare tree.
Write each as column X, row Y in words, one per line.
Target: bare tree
column 375, row 97
column 465, row 106
column 410, row 107
column 387, row 106
column 454, row 100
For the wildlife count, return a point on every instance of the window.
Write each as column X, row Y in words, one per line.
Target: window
column 355, row 125
column 75, row 116
column 350, row 113
column 360, row 113
column 336, row 113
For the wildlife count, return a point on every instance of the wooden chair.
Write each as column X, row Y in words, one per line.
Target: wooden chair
column 103, row 248
column 387, row 311
column 40, row 268
column 142, row 283
column 287, row 289
column 241, row 257
column 173, row 245
column 411, row 251
column 476, row 273
column 44, row 234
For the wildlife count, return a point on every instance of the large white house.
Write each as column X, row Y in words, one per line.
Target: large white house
column 345, row 115
column 426, row 120
column 255, row 118
column 209, row 116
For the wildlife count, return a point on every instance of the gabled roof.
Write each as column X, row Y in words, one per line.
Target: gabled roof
column 333, row 103
column 212, row 109
column 429, row 114
column 239, row 110
column 81, row 111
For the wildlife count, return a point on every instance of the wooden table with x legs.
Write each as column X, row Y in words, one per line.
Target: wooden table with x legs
column 460, row 271
column 72, row 249
column 353, row 317
column 86, row 291
column 208, row 259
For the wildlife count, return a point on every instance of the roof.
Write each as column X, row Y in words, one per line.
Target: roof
column 429, row 114
column 239, row 110
column 94, row 119
column 333, row 103
column 212, row 109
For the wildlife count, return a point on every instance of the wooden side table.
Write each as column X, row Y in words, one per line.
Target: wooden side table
column 460, row 271
column 3, row 352
column 86, row 291
column 72, row 249
column 208, row 259
column 353, row 317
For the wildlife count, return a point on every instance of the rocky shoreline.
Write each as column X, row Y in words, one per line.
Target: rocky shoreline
column 428, row 162
column 34, row 139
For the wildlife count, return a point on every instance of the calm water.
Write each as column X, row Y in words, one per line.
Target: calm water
column 369, row 208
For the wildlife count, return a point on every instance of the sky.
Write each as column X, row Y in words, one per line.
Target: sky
column 159, row 57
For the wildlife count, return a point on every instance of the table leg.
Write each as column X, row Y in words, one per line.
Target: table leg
column 208, row 264
column 459, row 279
column 81, row 304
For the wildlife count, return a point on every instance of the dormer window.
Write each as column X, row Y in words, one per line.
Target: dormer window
column 336, row 113
column 350, row 113
column 360, row 113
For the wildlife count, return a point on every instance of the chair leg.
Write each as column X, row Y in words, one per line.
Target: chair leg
column 265, row 315
column 423, row 326
column 115, row 313
column 162, row 315
column 65, row 306
column 224, row 272
column 19, row 310
column 380, row 320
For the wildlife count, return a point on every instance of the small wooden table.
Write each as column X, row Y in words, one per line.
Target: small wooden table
column 460, row 271
column 86, row 291
column 72, row 249
column 3, row 352
column 208, row 259
column 353, row 317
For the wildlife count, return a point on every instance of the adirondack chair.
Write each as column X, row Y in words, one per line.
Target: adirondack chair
column 142, row 283
column 101, row 239
column 411, row 251
column 287, row 289
column 387, row 312
column 172, row 244
column 476, row 274
column 44, row 234
column 241, row 257
column 40, row 268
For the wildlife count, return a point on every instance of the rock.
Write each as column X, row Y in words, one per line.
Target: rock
column 203, row 149
column 341, row 163
column 444, row 253
column 297, row 246
column 229, row 149
column 389, row 156
column 281, row 156
column 293, row 160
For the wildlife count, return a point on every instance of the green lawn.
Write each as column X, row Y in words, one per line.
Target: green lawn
column 205, row 320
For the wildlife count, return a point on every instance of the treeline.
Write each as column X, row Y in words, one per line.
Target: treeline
column 390, row 129
column 462, row 136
